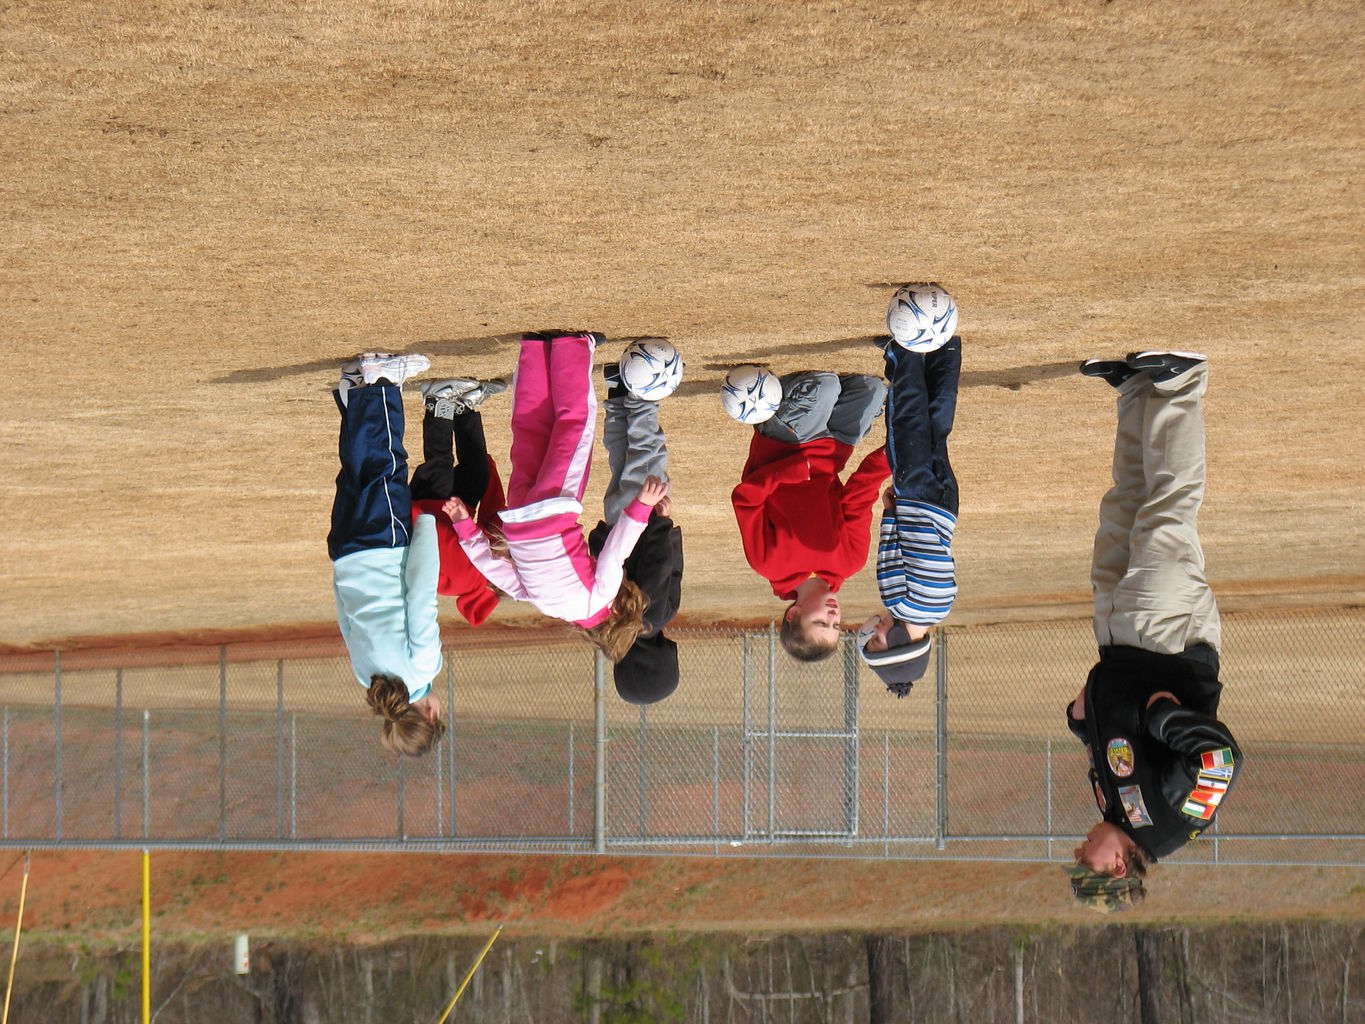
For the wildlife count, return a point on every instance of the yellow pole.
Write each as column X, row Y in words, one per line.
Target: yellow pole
column 18, row 926
column 460, row 991
column 146, row 937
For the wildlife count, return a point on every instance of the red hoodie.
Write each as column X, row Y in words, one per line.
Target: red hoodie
column 474, row 597
column 797, row 518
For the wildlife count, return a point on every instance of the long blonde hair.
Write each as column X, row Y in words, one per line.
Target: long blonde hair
column 406, row 730
column 614, row 636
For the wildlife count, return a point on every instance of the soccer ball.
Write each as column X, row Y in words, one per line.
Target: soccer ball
column 751, row 394
column 651, row 369
column 921, row 317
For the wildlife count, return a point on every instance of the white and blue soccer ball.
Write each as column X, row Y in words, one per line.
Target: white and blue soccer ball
column 651, row 368
column 751, row 394
column 921, row 317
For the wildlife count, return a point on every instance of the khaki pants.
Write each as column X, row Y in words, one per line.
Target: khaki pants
column 1147, row 574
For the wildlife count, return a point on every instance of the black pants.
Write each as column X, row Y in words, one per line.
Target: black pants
column 920, row 406
column 454, row 459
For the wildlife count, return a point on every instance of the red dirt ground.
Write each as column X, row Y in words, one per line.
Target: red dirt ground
column 370, row 897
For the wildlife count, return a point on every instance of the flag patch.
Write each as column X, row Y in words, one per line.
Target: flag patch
column 1197, row 810
column 1217, row 758
column 1213, row 797
column 1210, row 781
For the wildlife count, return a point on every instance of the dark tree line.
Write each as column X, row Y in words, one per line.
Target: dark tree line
column 1281, row 973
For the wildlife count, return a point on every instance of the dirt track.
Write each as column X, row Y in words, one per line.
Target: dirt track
column 207, row 209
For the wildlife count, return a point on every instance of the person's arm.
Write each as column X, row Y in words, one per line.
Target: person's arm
column 863, row 487
column 1189, row 733
column 1207, row 760
column 610, row 569
column 499, row 571
column 420, row 570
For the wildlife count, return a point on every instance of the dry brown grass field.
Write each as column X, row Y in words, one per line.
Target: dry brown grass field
column 208, row 206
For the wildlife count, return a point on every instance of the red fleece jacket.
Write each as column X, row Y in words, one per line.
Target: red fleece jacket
column 474, row 597
column 797, row 517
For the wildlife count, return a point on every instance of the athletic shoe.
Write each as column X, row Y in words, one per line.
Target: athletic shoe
column 441, row 398
column 396, row 369
column 1112, row 371
column 1164, row 366
column 612, row 374
column 350, row 378
column 593, row 338
column 471, row 399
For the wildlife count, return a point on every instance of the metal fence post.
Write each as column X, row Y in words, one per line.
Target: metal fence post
column 941, row 738
column 599, row 781
column 641, row 781
column 450, row 738
column 57, row 741
column 293, row 775
column 571, row 780
column 146, row 773
column 118, row 753
column 851, row 740
column 715, row 787
column 279, row 749
column 402, row 797
column 6, row 762
column 746, row 742
column 772, row 730
column 1048, row 793
column 222, row 742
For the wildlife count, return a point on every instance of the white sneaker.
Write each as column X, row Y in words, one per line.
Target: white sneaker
column 396, row 368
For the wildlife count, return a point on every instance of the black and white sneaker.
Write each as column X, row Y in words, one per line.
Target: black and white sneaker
column 1164, row 366
column 470, row 400
column 616, row 388
column 441, row 398
column 1112, row 371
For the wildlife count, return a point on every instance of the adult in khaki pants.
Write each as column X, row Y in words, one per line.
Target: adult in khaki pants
column 1160, row 761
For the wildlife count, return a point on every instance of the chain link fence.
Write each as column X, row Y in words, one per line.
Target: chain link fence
column 754, row 754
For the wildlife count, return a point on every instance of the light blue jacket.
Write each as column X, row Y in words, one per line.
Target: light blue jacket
column 386, row 608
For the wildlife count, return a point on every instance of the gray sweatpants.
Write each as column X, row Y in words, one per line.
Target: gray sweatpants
column 635, row 450
column 817, row 403
column 1147, row 574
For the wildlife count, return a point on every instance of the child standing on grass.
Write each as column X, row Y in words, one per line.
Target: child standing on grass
column 804, row 530
column 456, row 464
column 636, row 450
column 384, row 564
column 915, row 571
column 554, row 414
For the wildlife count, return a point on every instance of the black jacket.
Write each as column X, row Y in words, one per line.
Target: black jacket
column 655, row 566
column 1159, row 773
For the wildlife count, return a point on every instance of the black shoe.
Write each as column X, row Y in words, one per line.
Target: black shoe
column 1113, row 371
column 1164, row 366
column 612, row 374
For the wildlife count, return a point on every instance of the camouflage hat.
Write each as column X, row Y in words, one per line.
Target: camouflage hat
column 1104, row 893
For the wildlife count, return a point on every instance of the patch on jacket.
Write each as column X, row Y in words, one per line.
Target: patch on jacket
column 1133, row 806
column 1120, row 756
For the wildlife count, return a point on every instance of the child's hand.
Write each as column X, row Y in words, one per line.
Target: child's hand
column 889, row 499
column 456, row 510
column 653, row 492
column 665, row 506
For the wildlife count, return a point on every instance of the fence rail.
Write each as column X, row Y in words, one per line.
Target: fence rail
column 756, row 754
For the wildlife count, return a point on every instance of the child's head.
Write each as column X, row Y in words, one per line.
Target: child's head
column 409, row 728
column 810, row 626
column 615, row 635
column 897, row 651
